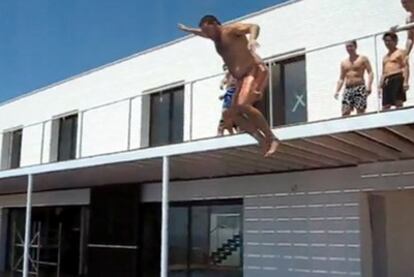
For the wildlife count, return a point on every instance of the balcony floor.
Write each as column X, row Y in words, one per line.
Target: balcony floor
column 334, row 143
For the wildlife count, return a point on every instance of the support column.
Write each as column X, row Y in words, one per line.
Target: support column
column 164, row 222
column 27, row 237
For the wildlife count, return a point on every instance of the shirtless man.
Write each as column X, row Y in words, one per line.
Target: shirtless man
column 395, row 71
column 352, row 74
column 408, row 5
column 229, row 85
column 238, row 54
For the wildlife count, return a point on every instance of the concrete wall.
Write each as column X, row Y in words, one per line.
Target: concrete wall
column 300, row 25
column 311, row 223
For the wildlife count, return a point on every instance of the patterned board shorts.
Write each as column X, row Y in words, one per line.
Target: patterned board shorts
column 228, row 97
column 355, row 97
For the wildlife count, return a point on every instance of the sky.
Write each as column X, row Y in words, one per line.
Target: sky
column 45, row 41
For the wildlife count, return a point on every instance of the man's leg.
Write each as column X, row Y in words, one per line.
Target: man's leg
column 361, row 101
column 262, row 78
column 220, row 128
column 227, row 121
column 240, row 119
column 347, row 102
column 399, row 104
column 360, row 111
column 346, row 110
column 244, row 104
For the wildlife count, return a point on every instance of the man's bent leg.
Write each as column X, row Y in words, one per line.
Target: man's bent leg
column 244, row 104
column 262, row 78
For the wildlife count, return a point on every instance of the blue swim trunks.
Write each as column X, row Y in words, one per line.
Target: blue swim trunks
column 228, row 97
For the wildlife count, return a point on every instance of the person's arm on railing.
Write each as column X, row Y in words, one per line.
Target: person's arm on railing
column 409, row 27
column 370, row 75
column 190, row 30
column 340, row 81
column 406, row 72
column 381, row 81
column 409, row 42
column 225, row 80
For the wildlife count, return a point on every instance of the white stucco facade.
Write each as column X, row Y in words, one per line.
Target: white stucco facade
column 299, row 25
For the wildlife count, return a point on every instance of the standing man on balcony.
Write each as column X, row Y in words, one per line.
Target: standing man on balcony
column 229, row 85
column 352, row 74
column 251, row 74
column 395, row 72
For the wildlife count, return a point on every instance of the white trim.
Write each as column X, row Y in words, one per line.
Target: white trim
column 368, row 121
column 113, row 246
column 162, row 88
column 65, row 114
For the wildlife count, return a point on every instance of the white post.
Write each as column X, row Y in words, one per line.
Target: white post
column 27, row 238
column 377, row 68
column 164, row 222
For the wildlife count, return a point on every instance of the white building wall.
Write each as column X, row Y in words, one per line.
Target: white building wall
column 300, row 25
column 105, row 129
column 31, row 145
column 312, row 223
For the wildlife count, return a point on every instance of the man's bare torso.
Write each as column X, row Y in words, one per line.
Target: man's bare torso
column 233, row 48
column 394, row 62
column 354, row 71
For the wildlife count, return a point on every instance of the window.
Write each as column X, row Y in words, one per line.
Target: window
column 205, row 239
column 167, row 116
column 287, row 92
column 12, row 146
column 64, row 132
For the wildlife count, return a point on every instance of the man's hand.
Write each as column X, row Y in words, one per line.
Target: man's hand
column 336, row 95
column 394, row 28
column 253, row 45
column 406, row 86
column 182, row 27
column 368, row 90
column 379, row 91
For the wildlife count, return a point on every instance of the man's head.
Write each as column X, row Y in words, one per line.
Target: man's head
column 408, row 5
column 390, row 40
column 210, row 26
column 351, row 47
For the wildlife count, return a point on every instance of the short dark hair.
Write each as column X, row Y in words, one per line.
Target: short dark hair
column 391, row 35
column 354, row 42
column 209, row 19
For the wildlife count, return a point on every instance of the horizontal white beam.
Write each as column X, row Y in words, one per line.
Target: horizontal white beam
column 327, row 127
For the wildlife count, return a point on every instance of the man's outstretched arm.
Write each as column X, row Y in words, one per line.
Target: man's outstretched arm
column 190, row 30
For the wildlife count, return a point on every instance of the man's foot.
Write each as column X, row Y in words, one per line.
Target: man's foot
column 273, row 145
